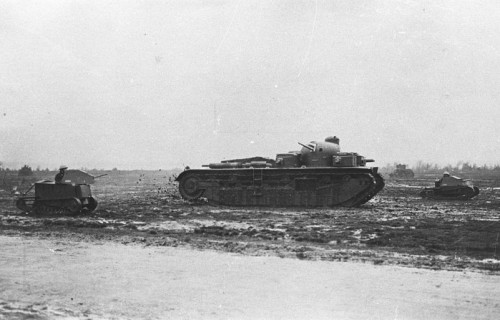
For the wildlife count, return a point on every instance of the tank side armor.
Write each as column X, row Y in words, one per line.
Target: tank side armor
column 318, row 175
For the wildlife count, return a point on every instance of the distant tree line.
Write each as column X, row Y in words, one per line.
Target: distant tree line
column 465, row 167
column 462, row 167
column 25, row 170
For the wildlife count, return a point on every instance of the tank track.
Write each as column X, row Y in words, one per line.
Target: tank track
column 60, row 207
column 44, row 209
column 293, row 187
column 379, row 185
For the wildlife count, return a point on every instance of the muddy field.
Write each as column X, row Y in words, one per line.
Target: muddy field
column 397, row 227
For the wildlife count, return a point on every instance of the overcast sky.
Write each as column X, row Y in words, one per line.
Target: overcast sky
column 162, row 84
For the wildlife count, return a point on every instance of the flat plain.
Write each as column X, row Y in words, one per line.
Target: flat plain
column 142, row 209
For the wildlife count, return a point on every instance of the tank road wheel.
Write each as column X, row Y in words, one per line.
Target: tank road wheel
column 189, row 188
column 21, row 205
column 74, row 205
column 38, row 207
column 92, row 204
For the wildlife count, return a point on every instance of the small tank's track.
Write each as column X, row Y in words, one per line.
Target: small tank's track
column 45, row 209
column 457, row 193
column 49, row 207
column 273, row 187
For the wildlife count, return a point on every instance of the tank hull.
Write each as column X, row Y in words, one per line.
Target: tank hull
column 402, row 174
column 282, row 187
column 450, row 193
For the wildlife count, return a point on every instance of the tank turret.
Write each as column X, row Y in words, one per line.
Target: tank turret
column 324, row 154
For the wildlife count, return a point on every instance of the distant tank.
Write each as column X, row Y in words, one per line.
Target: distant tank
column 73, row 195
column 402, row 172
column 451, row 188
column 318, row 175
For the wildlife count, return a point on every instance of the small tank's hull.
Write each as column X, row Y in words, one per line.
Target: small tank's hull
column 53, row 197
column 282, row 187
column 450, row 192
column 61, row 206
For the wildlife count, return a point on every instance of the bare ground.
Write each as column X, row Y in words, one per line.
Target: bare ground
column 60, row 279
column 397, row 228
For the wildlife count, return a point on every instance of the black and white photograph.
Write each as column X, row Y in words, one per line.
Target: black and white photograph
column 266, row 159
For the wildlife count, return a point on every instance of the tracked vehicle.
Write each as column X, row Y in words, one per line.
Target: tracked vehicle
column 402, row 172
column 51, row 197
column 71, row 196
column 451, row 188
column 318, row 175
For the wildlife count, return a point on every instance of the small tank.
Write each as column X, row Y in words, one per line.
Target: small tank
column 451, row 188
column 402, row 172
column 319, row 175
column 57, row 197
column 73, row 195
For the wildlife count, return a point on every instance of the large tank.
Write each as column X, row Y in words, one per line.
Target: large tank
column 451, row 188
column 318, row 175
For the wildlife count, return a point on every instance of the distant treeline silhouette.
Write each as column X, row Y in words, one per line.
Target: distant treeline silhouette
column 461, row 168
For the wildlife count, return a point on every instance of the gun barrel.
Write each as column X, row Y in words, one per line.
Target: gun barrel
column 307, row 147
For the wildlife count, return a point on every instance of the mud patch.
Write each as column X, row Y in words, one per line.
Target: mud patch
column 396, row 227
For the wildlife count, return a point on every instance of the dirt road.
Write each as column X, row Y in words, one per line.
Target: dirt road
column 45, row 279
